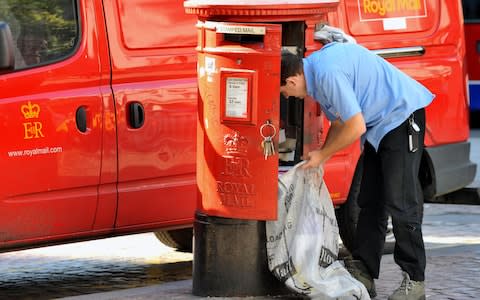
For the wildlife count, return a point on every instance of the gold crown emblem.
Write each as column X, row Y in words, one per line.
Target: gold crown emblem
column 235, row 144
column 30, row 110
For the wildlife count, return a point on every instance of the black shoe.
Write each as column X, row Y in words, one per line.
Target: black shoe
column 360, row 272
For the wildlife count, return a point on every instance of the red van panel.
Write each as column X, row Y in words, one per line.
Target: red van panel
column 51, row 170
column 380, row 17
column 154, row 76
column 425, row 40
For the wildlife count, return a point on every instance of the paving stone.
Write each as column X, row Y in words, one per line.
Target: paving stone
column 143, row 270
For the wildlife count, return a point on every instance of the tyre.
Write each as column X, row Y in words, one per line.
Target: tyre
column 475, row 119
column 180, row 239
column 347, row 215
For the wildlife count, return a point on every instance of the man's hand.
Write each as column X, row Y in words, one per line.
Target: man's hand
column 340, row 135
column 314, row 159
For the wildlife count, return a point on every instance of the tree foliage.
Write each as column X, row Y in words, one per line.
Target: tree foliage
column 51, row 20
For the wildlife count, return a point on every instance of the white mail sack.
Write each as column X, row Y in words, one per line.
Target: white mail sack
column 302, row 245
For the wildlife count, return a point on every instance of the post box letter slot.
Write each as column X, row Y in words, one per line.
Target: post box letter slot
column 243, row 38
column 241, row 34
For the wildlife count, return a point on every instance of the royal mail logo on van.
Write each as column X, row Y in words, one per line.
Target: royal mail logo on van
column 372, row 10
column 32, row 128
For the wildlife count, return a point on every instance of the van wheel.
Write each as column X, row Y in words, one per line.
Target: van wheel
column 347, row 215
column 181, row 239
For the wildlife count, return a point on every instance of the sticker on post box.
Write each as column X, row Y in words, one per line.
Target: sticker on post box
column 236, row 98
column 236, row 95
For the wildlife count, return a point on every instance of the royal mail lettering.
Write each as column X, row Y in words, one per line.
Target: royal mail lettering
column 237, row 167
column 236, row 194
column 394, row 8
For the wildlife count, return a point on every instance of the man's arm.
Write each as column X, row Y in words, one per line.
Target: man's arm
column 340, row 135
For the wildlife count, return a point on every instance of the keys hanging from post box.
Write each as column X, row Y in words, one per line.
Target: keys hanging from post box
column 267, row 142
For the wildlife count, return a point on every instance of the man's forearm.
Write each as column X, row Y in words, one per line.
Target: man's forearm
column 339, row 136
column 342, row 135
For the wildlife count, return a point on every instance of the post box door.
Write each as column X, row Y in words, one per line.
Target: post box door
column 239, row 83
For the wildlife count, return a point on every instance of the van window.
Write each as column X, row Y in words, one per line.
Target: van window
column 43, row 31
column 471, row 9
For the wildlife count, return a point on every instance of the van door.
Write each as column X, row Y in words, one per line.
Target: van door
column 51, row 122
column 152, row 47
column 471, row 13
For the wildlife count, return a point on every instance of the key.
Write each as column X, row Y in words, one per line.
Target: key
column 414, row 125
column 267, row 147
column 267, row 142
column 272, row 146
column 264, row 149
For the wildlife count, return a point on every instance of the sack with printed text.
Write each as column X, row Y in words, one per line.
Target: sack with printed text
column 302, row 245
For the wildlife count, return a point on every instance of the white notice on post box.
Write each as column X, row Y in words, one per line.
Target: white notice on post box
column 236, row 97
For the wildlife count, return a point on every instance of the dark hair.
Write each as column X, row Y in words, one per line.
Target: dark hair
column 291, row 65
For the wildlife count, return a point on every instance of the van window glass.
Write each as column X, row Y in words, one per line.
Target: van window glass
column 150, row 24
column 43, row 31
column 471, row 9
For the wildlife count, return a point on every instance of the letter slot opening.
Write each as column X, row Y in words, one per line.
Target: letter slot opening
column 243, row 38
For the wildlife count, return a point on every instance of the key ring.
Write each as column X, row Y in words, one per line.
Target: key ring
column 269, row 125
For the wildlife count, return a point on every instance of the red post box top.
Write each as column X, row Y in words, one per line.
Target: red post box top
column 266, row 10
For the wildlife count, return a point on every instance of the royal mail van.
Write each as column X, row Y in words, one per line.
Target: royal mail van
column 98, row 113
column 425, row 39
column 98, row 107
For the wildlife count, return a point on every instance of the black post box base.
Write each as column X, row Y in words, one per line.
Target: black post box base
column 230, row 259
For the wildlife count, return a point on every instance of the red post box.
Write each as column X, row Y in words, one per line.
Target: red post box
column 239, row 81
column 239, row 52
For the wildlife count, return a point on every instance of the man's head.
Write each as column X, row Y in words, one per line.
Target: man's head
column 292, row 80
column 32, row 44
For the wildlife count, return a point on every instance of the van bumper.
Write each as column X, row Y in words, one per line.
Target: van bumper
column 452, row 168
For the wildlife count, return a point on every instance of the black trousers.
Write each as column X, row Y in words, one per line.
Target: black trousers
column 390, row 186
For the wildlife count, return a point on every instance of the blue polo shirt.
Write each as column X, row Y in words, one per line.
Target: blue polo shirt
column 347, row 79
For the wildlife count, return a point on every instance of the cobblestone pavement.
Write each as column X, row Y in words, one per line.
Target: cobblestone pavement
column 452, row 238
column 90, row 267
column 452, row 273
column 122, row 264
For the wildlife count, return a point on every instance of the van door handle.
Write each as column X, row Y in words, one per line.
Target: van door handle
column 136, row 115
column 478, row 47
column 81, row 119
